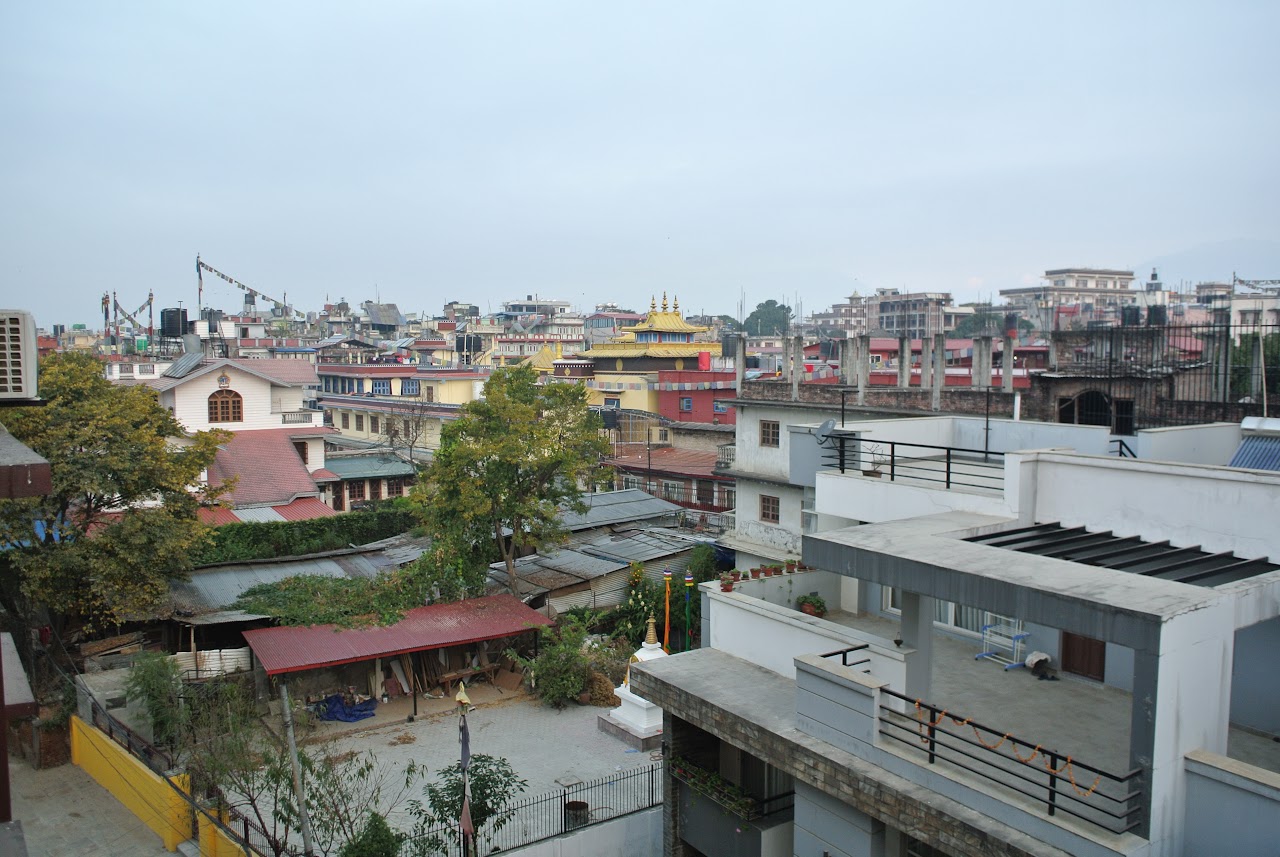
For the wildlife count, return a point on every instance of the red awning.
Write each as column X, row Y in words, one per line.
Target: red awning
column 283, row 650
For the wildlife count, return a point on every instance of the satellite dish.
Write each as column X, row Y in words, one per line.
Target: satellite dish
column 823, row 434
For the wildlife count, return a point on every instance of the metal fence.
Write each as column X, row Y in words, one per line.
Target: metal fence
column 553, row 814
column 1056, row 780
column 944, row 466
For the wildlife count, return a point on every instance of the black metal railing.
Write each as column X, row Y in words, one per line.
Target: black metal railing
column 158, row 760
column 1059, row 781
column 843, row 654
column 1122, row 449
column 553, row 814
column 949, row 466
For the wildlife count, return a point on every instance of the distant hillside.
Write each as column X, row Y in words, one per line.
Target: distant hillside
column 1251, row 259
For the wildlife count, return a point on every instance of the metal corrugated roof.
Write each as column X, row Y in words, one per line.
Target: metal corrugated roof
column 368, row 466
column 260, row 514
column 578, row 565
column 1258, row 452
column 636, row 546
column 283, row 650
column 219, row 587
column 617, row 507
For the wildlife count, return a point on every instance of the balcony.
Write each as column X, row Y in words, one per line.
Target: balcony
column 940, row 467
column 304, row 418
column 725, row 455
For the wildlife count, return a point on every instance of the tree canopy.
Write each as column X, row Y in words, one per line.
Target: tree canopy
column 769, row 319
column 985, row 322
column 121, row 520
column 508, row 464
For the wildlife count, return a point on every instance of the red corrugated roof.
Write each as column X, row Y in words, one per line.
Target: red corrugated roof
column 266, row 466
column 304, row 508
column 216, row 516
column 283, row 650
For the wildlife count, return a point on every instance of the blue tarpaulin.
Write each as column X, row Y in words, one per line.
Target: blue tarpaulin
column 333, row 708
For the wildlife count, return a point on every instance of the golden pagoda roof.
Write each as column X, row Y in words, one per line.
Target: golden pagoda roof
column 665, row 321
column 651, row 349
column 545, row 359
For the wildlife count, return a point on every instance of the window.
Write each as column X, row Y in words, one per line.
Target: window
column 359, row 422
column 147, row 369
column 226, row 406
column 355, row 490
column 770, row 509
column 346, row 421
column 720, row 406
column 301, row 447
column 395, row 486
column 375, row 489
column 770, row 433
column 428, row 394
column 686, row 403
column 672, row 491
column 632, row 482
column 382, row 388
column 126, row 368
column 612, row 403
column 409, row 387
column 337, row 499
column 730, row 498
column 373, row 425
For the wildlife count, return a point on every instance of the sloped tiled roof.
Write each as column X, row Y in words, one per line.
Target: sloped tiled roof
column 665, row 459
column 268, row 469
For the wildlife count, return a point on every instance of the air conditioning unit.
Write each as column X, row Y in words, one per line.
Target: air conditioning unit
column 17, row 355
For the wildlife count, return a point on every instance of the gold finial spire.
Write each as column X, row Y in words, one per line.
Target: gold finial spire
column 651, row 636
column 653, row 304
column 675, row 303
column 664, row 300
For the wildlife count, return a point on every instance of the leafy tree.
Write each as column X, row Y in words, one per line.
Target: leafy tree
column 769, row 319
column 984, row 322
column 510, row 462
column 565, row 659
column 730, row 323
column 154, row 681
column 493, row 784
column 120, row 522
column 377, row 839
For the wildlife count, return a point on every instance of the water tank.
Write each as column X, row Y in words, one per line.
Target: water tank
column 1130, row 316
column 1011, row 324
column 173, row 322
column 213, row 317
column 1158, row 315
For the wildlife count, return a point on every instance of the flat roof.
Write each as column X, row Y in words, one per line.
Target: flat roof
column 19, row 701
column 292, row 649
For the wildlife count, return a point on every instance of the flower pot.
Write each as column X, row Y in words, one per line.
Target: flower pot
column 755, row 574
column 768, row 572
column 726, row 586
column 737, row 575
column 810, row 610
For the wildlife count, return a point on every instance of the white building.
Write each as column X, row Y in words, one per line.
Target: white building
column 876, row 730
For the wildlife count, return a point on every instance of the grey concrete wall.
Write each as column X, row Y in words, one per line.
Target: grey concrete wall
column 805, row 456
column 1231, row 808
column 1255, row 693
column 824, row 825
column 635, row 835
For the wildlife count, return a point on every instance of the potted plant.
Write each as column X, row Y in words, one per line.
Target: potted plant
column 873, row 460
column 726, row 583
column 791, row 566
column 736, row 575
column 813, row 605
column 755, row 573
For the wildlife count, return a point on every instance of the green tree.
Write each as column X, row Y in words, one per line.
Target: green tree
column 120, row 522
column 510, row 462
column 769, row 319
column 493, row 784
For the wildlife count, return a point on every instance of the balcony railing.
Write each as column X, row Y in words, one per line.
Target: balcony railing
column 725, row 455
column 946, row 466
column 1112, row 802
column 712, row 786
column 298, row 417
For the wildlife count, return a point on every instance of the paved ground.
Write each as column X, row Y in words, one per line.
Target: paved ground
column 65, row 813
column 549, row 748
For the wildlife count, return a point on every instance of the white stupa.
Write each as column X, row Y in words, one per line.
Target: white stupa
column 637, row 720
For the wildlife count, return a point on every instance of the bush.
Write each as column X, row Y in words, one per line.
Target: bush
column 377, row 839
column 559, row 672
column 250, row 541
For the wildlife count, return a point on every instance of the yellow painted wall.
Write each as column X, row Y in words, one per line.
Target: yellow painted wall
column 645, row 399
column 157, row 804
column 215, row 843
column 456, row 391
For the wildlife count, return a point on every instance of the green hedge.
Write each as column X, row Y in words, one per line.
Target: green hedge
column 250, row 541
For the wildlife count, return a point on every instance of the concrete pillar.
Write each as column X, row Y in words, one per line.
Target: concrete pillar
column 917, row 633
column 1255, row 369
column 939, row 369
column 926, row 363
column 864, row 366
column 904, row 362
column 676, row 740
column 797, row 364
column 1006, row 365
column 739, row 361
column 845, row 348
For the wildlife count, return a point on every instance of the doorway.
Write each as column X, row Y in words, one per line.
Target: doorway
column 1084, row 656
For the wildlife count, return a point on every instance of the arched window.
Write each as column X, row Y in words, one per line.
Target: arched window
column 226, row 406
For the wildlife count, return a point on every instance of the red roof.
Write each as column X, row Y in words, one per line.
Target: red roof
column 303, row 509
column 283, row 650
column 267, row 467
column 665, row 459
column 216, row 516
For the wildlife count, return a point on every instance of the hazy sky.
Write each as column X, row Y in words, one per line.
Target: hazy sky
column 598, row 151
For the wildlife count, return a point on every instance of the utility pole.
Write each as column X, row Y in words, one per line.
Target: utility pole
column 308, row 847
